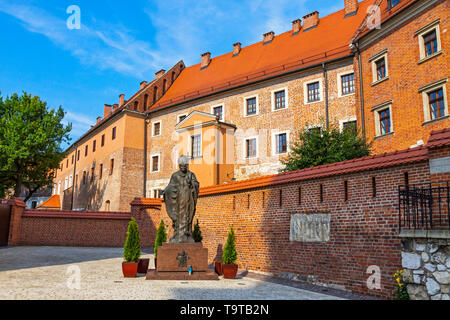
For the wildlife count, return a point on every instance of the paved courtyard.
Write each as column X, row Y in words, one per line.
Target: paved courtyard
column 48, row 272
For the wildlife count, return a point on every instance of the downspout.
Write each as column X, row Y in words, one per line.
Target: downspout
column 361, row 91
column 145, row 155
column 73, row 179
column 325, row 75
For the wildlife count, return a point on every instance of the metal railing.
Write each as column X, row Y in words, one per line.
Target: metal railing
column 424, row 206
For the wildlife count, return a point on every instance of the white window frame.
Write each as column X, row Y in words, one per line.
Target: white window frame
column 286, row 98
column 306, row 93
column 376, row 110
column 59, row 187
column 160, row 128
column 201, row 145
column 181, row 115
column 70, row 181
column 420, row 34
column 223, row 110
column 274, row 142
column 245, row 147
column 373, row 60
column 244, row 103
column 339, row 83
column 341, row 122
column 426, row 105
column 159, row 162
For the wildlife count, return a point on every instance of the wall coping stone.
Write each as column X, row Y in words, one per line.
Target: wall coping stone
column 429, row 234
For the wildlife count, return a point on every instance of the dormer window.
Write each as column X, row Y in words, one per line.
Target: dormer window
column 393, row 3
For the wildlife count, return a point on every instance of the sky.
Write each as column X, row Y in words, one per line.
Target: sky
column 121, row 43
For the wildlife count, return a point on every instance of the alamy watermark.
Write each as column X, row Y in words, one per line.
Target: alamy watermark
column 74, row 20
column 74, row 280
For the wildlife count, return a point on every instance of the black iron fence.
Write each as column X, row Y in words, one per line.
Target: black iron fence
column 424, row 206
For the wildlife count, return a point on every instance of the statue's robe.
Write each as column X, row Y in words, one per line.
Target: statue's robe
column 180, row 197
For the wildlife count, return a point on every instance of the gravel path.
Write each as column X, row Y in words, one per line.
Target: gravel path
column 49, row 273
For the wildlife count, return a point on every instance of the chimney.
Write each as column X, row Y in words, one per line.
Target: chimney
column 351, row 7
column 121, row 99
column 142, row 85
column 268, row 37
column 159, row 74
column 106, row 111
column 310, row 20
column 296, row 26
column 115, row 107
column 99, row 119
column 236, row 48
column 206, row 59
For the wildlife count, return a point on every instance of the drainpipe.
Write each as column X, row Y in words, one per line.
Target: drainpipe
column 145, row 155
column 361, row 90
column 325, row 75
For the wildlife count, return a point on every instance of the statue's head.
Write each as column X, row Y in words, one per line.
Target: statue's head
column 183, row 164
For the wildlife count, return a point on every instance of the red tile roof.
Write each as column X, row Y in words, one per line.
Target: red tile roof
column 287, row 52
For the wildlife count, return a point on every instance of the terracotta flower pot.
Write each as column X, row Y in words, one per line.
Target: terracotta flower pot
column 218, row 267
column 129, row 269
column 229, row 271
column 143, row 265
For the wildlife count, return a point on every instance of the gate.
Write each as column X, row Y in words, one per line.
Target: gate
column 5, row 217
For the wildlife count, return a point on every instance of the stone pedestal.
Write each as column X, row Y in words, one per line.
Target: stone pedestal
column 174, row 260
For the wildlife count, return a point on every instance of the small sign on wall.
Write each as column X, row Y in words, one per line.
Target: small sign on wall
column 310, row 227
column 440, row 165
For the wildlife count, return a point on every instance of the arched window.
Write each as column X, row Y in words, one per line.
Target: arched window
column 155, row 92
column 107, row 205
column 145, row 101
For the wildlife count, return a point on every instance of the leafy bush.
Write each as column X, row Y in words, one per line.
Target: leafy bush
column 132, row 247
column 197, row 233
column 161, row 237
column 229, row 255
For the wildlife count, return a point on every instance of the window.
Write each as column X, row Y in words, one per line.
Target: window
column 155, row 163
column 164, row 85
column 113, row 133
column 196, row 146
column 67, row 162
column 251, row 106
column 315, row 130
column 436, row 103
column 136, row 105
column 84, row 177
column 107, row 205
column 393, row 3
column 92, row 173
column 157, row 128
column 145, row 101
column 59, row 187
column 281, row 143
column 313, row 92
column 100, row 171
column 218, row 112
column 385, row 121
column 111, row 167
column 429, row 41
column 350, row 125
column 70, row 181
column 94, row 145
column 66, row 183
column 73, row 158
column 86, row 150
column 103, row 140
column 250, row 148
column 381, row 69
column 435, row 100
column 280, row 101
column 155, row 93
column 348, row 84
column 78, row 155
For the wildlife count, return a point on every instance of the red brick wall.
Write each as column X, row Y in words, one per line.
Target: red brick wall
column 72, row 228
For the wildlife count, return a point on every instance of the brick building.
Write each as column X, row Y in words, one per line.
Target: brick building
column 236, row 114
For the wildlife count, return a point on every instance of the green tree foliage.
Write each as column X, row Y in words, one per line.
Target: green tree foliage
column 161, row 237
column 132, row 247
column 30, row 139
column 318, row 147
column 197, row 233
column 229, row 255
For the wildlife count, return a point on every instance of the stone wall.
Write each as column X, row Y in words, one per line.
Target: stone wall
column 426, row 264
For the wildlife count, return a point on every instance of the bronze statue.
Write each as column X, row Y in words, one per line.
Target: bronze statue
column 180, row 197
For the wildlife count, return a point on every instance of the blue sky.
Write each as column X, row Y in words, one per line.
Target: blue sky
column 121, row 43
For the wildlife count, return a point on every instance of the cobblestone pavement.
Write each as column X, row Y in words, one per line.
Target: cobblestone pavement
column 47, row 272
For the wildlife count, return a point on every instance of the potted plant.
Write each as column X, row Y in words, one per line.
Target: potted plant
column 229, row 257
column 197, row 233
column 161, row 237
column 131, row 250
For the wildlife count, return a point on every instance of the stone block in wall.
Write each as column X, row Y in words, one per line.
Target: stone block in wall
column 411, row 260
column 310, row 227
